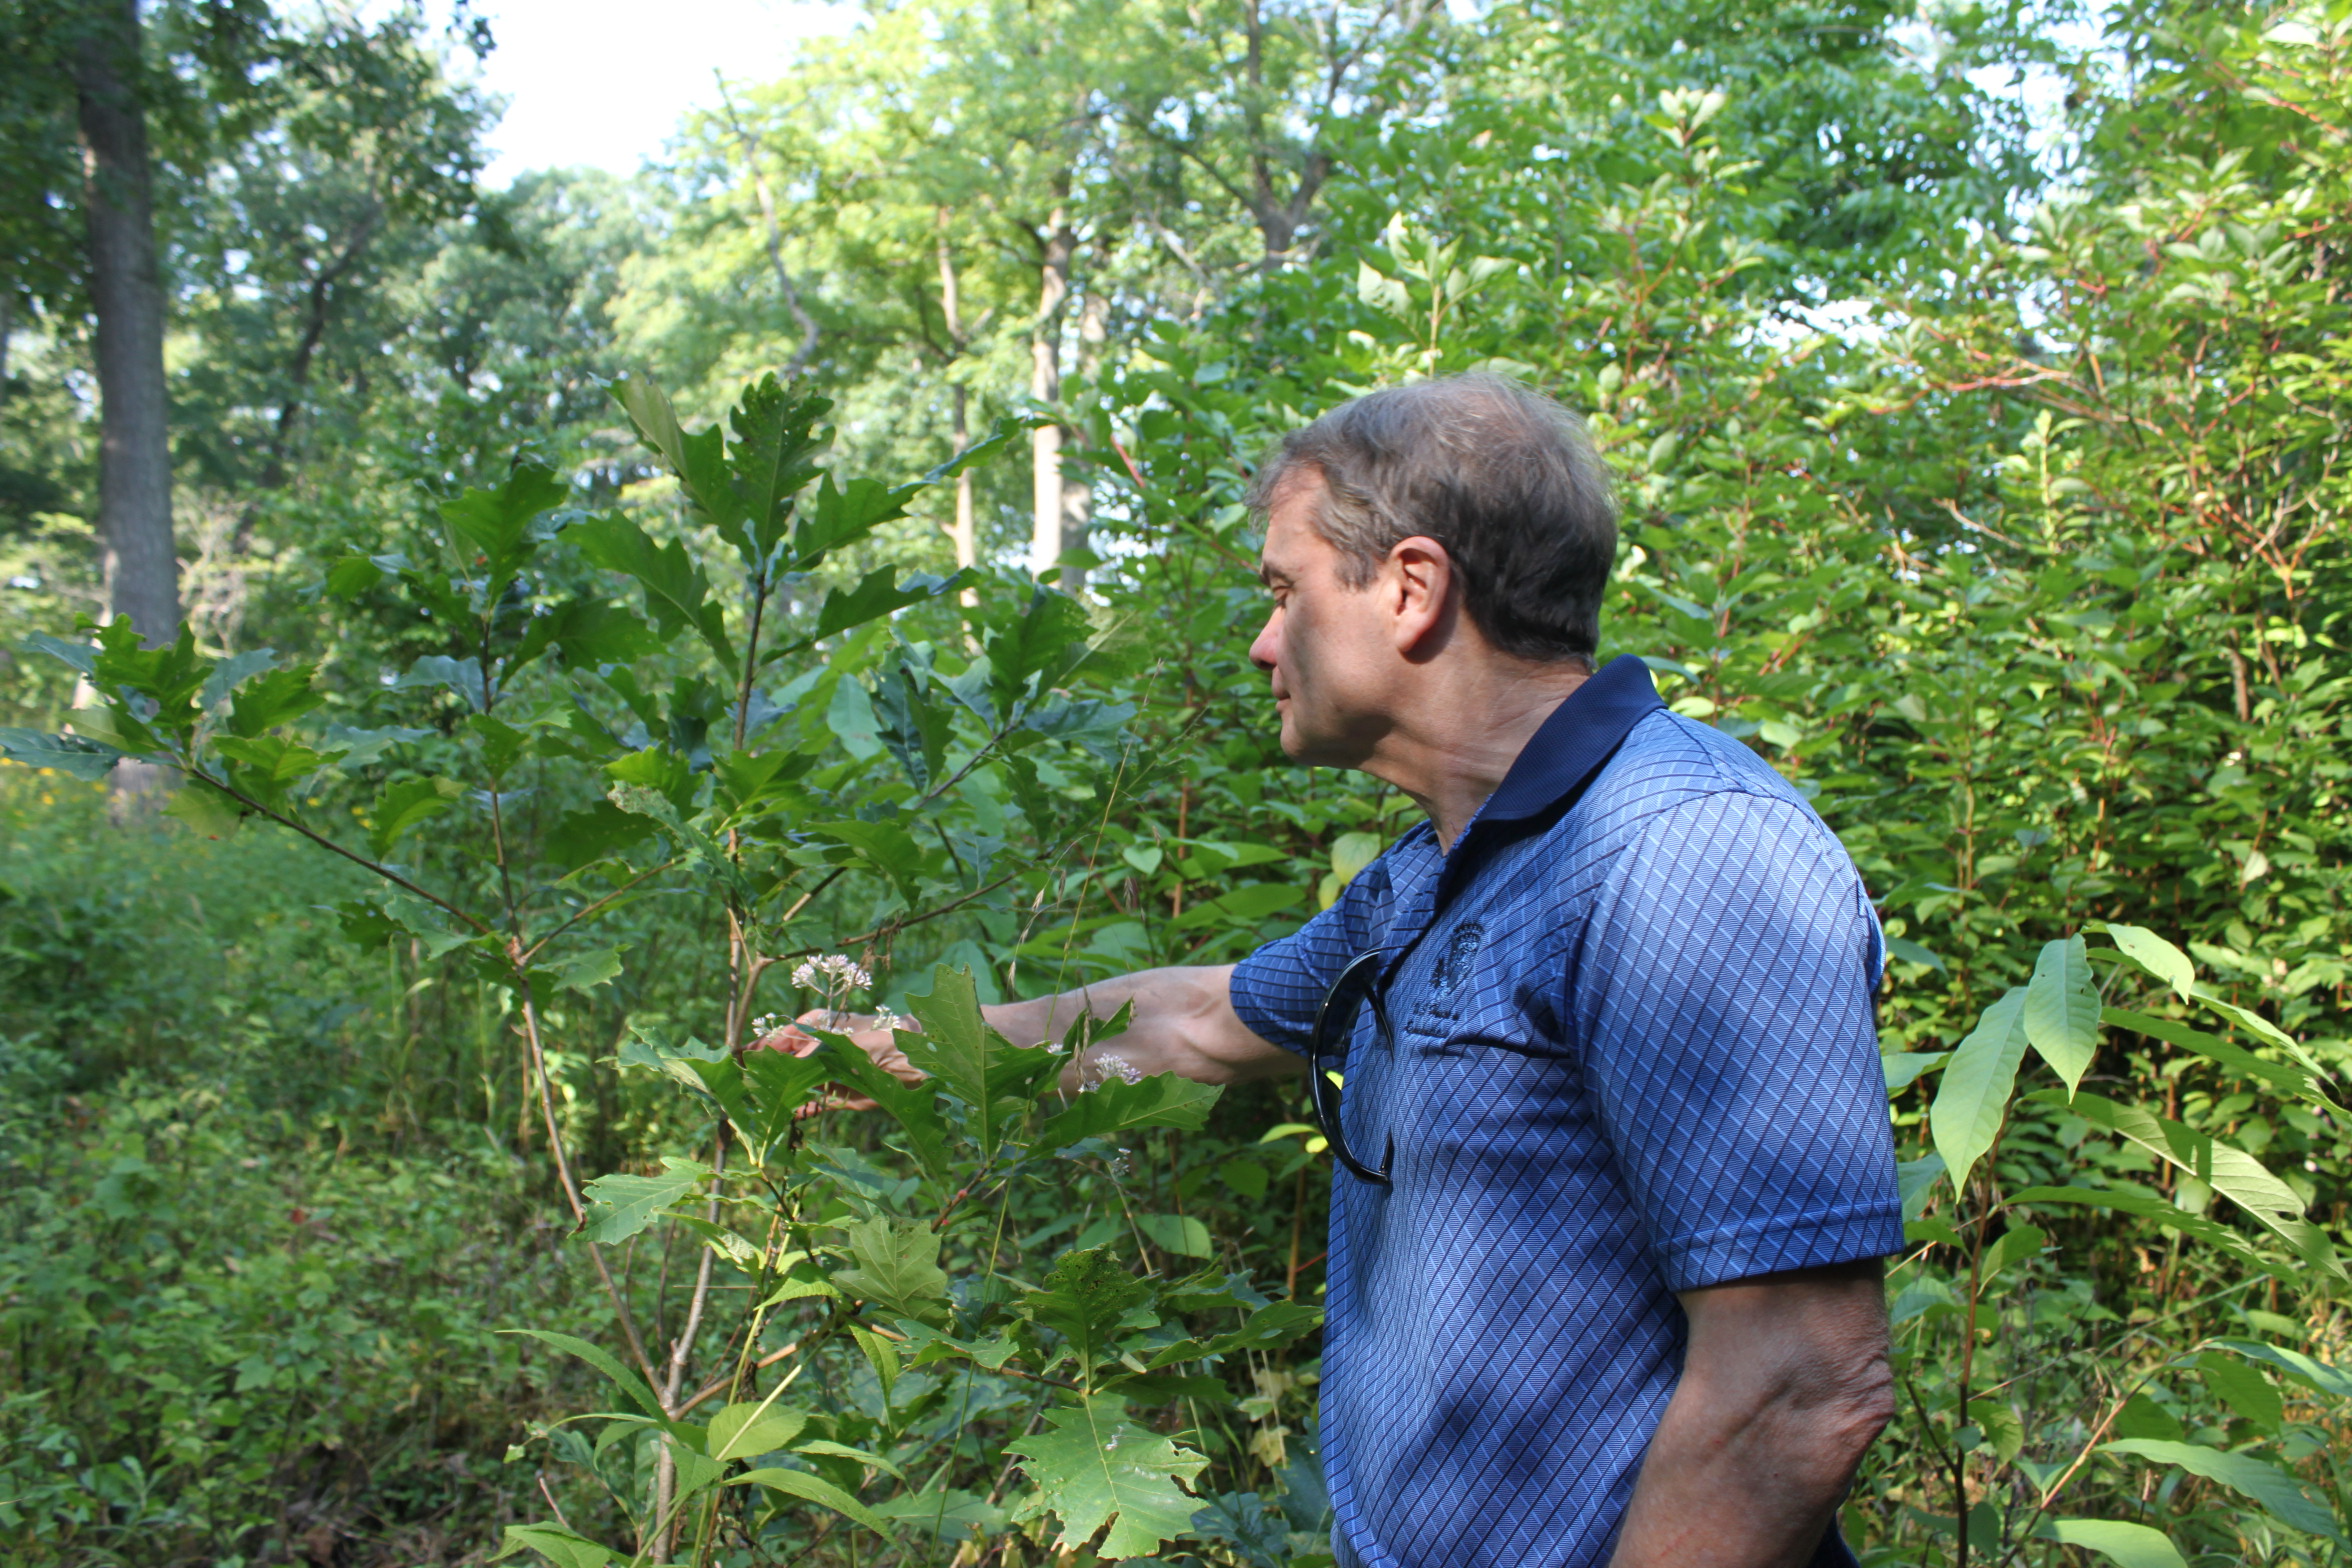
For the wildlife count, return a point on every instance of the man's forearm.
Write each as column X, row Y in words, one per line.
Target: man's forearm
column 1183, row 1023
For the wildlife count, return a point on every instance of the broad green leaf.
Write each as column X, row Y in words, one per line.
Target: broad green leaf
column 1093, row 1467
column 876, row 595
column 626, row 1204
column 677, row 592
column 2269, row 1487
column 895, row 1265
column 743, row 1430
column 1902, row 1069
column 911, row 725
column 1084, row 1300
column 1258, row 1535
column 2130, row 1545
column 74, row 755
column 496, row 524
column 1275, row 1323
column 1039, row 648
column 1178, row 1233
column 594, row 832
column 405, row 804
column 815, row 1489
column 2157, row 956
column 2255, row 1024
column 80, row 655
column 969, row 1060
column 2153, row 1207
column 1973, row 1097
column 2062, row 1010
column 776, row 1084
column 1244, row 905
column 584, row 972
column 2244, row 1389
column 886, row 846
column 2310, row 1371
column 845, row 514
column 463, row 676
column 205, row 810
column 771, row 460
column 2232, row 1172
column 948, row 1515
column 914, row 1107
column 267, row 762
column 557, row 1544
column 866, row 1457
column 628, row 1382
column 2279, row 1075
column 1116, row 1105
column 234, row 670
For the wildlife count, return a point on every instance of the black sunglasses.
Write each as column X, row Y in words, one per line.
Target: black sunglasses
column 1335, row 1021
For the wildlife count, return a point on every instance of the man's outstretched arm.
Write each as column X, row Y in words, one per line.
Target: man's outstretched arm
column 1183, row 1023
column 1784, row 1385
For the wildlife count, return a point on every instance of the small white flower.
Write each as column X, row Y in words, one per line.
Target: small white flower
column 805, row 976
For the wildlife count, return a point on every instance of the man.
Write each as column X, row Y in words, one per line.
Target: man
column 1617, row 1173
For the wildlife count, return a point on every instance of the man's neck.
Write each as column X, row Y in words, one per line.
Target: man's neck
column 1464, row 734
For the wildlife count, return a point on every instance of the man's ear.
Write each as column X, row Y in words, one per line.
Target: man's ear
column 1419, row 587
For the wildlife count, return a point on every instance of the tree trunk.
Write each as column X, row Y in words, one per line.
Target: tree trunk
column 126, row 288
column 1058, row 245
column 964, row 532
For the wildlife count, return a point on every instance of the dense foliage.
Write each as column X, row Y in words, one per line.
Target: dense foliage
column 389, row 1174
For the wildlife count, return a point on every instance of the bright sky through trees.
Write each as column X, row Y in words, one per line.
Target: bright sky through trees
column 590, row 83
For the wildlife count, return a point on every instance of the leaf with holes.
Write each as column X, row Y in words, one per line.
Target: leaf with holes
column 1093, row 1468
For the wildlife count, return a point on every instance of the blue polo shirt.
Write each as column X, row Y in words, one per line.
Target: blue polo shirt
column 1633, row 1054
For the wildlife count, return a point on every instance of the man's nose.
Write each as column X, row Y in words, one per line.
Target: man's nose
column 1268, row 645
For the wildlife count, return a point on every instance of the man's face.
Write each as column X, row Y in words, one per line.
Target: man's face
column 1326, row 645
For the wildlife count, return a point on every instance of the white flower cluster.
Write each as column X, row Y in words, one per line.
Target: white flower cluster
column 835, row 972
column 766, row 1023
column 1102, row 1066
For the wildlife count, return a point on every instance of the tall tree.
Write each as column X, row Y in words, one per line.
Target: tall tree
column 126, row 289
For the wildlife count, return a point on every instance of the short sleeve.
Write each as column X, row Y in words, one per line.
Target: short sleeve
column 1723, row 993
column 1278, row 988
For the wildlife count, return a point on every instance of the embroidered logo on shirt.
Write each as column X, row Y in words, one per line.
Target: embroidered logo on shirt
column 1452, row 973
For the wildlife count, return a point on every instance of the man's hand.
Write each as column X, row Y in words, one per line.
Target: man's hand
column 1183, row 1023
column 865, row 1031
column 1784, row 1385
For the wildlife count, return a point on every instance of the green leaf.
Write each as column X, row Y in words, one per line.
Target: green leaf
column 776, row 1085
column 876, row 595
column 80, row 655
column 2269, row 1487
column 1115, row 1106
column 885, row 846
column 1093, row 1467
column 74, row 755
column 463, row 676
column 2310, row 1371
column 969, row 1060
column 1274, row 1324
column 1973, row 1097
column 2144, row 1204
column 1084, row 1300
column 496, row 524
column 895, row 1265
column 915, row 1108
column 845, row 515
column 2292, row 1080
column 557, row 1544
column 628, row 1382
column 2232, row 1172
column 2157, row 956
column 1912, row 953
column 626, row 1204
column 1177, row 1233
column 742, row 1430
column 233, row 670
column 773, row 458
column 2244, row 1389
column 584, row 972
column 2131, row 1545
column 914, row 728
column 593, row 832
column 2062, row 1010
column 1242, row 1521
column 1902, row 1069
column 405, row 804
column 677, row 593
column 1244, row 905
column 352, row 576
column 815, row 1489
column 205, row 810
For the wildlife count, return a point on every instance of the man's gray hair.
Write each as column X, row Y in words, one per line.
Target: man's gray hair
column 1505, row 478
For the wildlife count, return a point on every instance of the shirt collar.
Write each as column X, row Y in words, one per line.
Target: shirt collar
column 1570, row 746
